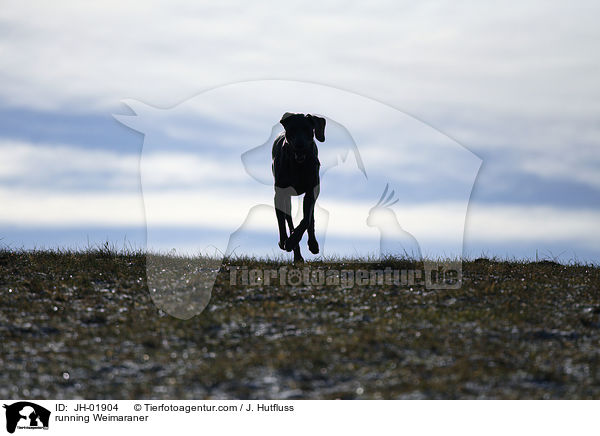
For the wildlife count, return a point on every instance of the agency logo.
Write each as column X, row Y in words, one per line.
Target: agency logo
column 26, row 415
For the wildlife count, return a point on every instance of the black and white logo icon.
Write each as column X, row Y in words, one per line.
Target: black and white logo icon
column 26, row 415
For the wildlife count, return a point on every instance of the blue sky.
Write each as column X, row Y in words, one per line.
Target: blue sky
column 515, row 85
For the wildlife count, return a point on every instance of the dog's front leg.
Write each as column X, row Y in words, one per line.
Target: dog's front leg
column 308, row 205
column 283, row 202
column 313, row 245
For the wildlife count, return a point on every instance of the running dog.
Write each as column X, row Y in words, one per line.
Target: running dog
column 296, row 172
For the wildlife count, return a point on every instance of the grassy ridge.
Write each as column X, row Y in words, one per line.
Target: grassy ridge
column 83, row 325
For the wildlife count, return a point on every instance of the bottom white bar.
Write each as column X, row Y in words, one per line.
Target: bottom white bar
column 299, row 417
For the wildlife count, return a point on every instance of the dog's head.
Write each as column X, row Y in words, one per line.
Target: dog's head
column 300, row 131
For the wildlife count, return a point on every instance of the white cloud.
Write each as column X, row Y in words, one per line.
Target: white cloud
column 487, row 223
column 47, row 164
column 514, row 76
column 579, row 163
column 56, row 166
column 519, row 78
column 536, row 57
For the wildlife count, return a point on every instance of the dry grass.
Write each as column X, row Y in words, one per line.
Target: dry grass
column 82, row 325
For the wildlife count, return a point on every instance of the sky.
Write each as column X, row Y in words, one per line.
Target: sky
column 483, row 118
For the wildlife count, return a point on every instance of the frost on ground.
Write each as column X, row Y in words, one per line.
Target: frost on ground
column 84, row 325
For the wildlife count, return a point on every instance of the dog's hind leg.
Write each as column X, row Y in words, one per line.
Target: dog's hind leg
column 297, row 254
column 283, row 210
column 308, row 205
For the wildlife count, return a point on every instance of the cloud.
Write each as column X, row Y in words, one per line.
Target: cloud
column 534, row 58
column 580, row 164
column 516, row 83
column 489, row 224
column 59, row 167
column 64, row 186
column 504, row 76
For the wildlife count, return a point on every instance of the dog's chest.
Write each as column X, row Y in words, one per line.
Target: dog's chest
column 301, row 176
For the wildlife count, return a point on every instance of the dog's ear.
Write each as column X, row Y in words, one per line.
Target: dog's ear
column 285, row 119
column 319, row 126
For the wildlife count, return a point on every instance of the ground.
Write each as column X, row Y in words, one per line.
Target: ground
column 83, row 325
